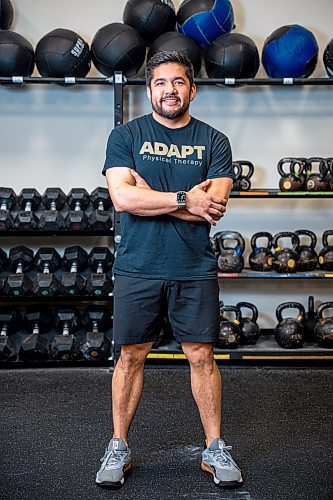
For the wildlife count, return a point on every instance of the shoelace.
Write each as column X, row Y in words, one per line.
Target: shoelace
column 223, row 457
column 113, row 457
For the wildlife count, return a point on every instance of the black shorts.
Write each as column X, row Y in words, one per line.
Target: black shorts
column 140, row 304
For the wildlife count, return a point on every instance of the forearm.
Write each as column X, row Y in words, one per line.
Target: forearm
column 187, row 216
column 144, row 201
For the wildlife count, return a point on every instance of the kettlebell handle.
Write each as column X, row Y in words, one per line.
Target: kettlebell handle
column 326, row 234
column 292, row 163
column 322, row 165
column 286, row 234
column 310, row 234
column 232, row 235
column 261, row 234
column 234, row 309
column 251, row 307
column 237, row 169
column 322, row 307
column 290, row 305
column 249, row 166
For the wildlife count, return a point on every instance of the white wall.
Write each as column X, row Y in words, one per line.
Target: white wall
column 51, row 135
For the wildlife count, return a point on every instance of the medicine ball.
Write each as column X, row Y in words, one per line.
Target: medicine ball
column 17, row 57
column 151, row 18
column 205, row 20
column 328, row 58
column 6, row 14
column 290, row 51
column 232, row 55
column 182, row 44
column 118, row 47
column 62, row 53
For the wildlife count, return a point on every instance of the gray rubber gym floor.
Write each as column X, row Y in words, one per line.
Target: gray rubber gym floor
column 55, row 423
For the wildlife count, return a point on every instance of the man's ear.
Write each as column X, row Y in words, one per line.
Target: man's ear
column 193, row 92
column 148, row 92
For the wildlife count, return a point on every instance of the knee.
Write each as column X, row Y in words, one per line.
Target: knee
column 132, row 357
column 200, row 356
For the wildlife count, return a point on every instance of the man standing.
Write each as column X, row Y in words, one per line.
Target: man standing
column 170, row 176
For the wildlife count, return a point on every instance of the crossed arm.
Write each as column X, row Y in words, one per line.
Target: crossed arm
column 131, row 193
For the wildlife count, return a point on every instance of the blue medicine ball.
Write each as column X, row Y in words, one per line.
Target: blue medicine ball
column 205, row 20
column 290, row 51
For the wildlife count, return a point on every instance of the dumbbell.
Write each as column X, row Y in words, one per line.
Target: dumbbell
column 47, row 261
column 78, row 201
column 100, row 262
column 95, row 345
column 100, row 219
column 7, row 201
column 10, row 323
column 53, row 200
column 64, row 346
column 75, row 260
column 18, row 284
column 29, row 200
column 33, row 346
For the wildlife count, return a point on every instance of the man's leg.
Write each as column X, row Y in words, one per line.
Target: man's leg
column 206, row 386
column 127, row 385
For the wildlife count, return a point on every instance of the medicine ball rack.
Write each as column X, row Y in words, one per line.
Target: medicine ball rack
column 265, row 350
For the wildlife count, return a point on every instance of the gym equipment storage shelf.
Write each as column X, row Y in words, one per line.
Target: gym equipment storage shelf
column 276, row 193
column 248, row 273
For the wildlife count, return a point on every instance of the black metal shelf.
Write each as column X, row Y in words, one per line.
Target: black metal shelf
column 248, row 273
column 265, row 349
column 276, row 193
column 40, row 233
column 27, row 299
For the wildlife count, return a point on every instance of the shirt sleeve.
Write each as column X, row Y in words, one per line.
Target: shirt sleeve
column 119, row 150
column 221, row 160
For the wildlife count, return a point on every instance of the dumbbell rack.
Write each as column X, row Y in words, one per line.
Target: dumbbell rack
column 265, row 350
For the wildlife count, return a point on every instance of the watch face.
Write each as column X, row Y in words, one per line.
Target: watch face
column 181, row 197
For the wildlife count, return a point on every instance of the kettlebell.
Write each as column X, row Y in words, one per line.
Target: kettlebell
column 236, row 186
column 289, row 332
column 230, row 330
column 324, row 326
column 245, row 178
column 261, row 258
column 230, row 259
column 285, row 259
column 310, row 321
column 316, row 181
column 307, row 256
column 329, row 175
column 250, row 330
column 292, row 180
column 325, row 256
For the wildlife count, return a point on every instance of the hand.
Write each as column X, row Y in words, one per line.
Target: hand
column 139, row 181
column 201, row 203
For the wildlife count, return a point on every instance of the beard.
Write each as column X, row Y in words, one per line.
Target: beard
column 170, row 115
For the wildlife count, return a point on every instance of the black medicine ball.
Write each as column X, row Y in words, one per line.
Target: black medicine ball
column 62, row 53
column 6, row 14
column 232, row 55
column 181, row 43
column 328, row 58
column 17, row 57
column 118, row 47
column 151, row 18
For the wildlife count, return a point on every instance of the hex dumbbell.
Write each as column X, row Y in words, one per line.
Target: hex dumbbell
column 53, row 200
column 29, row 200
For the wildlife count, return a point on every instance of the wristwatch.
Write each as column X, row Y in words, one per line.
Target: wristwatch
column 181, row 199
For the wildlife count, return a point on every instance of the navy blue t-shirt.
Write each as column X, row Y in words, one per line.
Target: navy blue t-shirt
column 171, row 160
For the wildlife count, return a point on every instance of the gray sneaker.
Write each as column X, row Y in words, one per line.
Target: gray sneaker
column 115, row 463
column 217, row 460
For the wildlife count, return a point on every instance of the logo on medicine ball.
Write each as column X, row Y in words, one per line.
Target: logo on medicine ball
column 78, row 48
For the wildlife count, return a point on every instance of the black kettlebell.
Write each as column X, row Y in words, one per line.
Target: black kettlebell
column 292, row 180
column 324, row 326
column 230, row 330
column 245, row 178
column 236, row 186
column 325, row 256
column 289, row 332
column 261, row 258
column 230, row 259
column 307, row 255
column 316, row 181
column 310, row 321
column 329, row 175
column 250, row 330
column 285, row 259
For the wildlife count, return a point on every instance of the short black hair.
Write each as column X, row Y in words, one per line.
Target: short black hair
column 168, row 56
